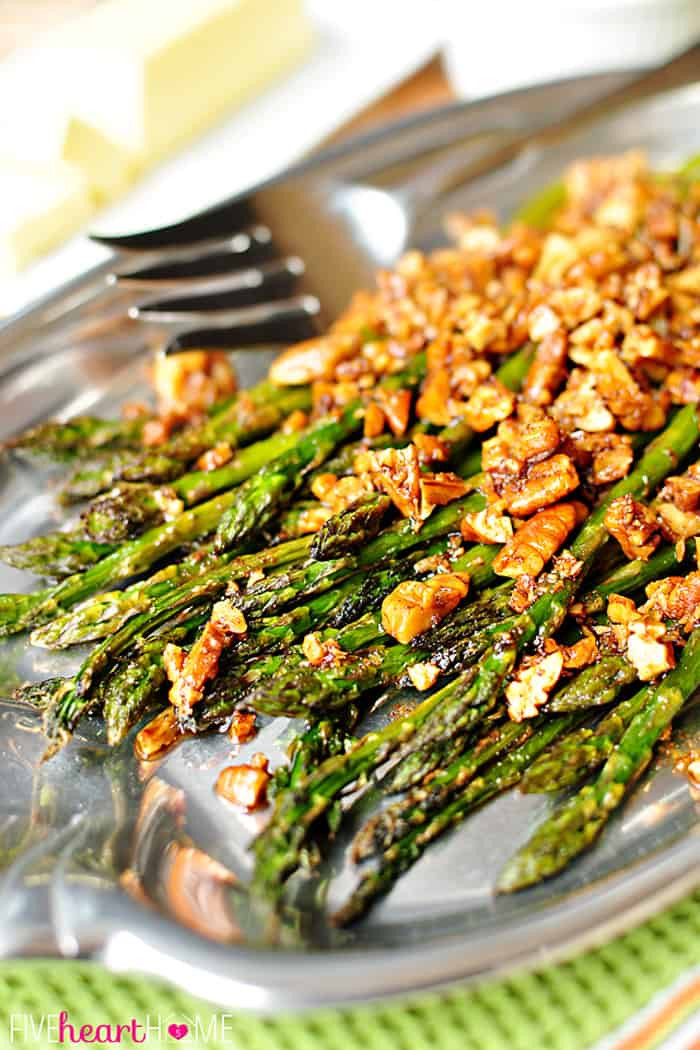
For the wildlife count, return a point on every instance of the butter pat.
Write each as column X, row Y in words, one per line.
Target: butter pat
column 39, row 130
column 152, row 75
column 47, row 142
column 40, row 208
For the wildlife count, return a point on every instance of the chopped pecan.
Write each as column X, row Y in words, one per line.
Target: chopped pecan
column 544, row 483
column 339, row 493
column 644, row 292
column 295, row 421
column 246, row 784
column 157, row 431
column 423, row 676
column 677, row 524
column 683, row 385
column 683, row 490
column 434, row 403
column 635, row 408
column 311, row 519
column 242, row 728
column 190, row 382
column 519, row 443
column 215, row 457
column 648, row 651
column 374, row 420
column 397, row 473
column 532, row 683
column 675, row 598
column 202, row 662
column 581, row 653
column 396, row 406
column 529, row 550
column 612, row 460
column 416, row 605
column 161, row 733
column 431, row 449
column 490, row 403
column 439, row 489
column 314, row 359
column 580, row 406
column 603, row 457
column 547, row 371
column 642, row 344
column 634, row 526
column 322, row 652
column 173, row 660
column 487, row 526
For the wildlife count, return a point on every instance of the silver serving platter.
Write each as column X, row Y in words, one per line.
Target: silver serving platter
column 72, row 829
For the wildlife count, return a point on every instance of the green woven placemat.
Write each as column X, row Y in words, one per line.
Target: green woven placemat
column 565, row 1007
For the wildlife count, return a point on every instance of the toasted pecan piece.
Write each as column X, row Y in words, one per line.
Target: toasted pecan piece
column 648, row 650
column 675, row 598
column 532, row 683
column 544, row 483
column 202, row 662
column 487, row 526
column 490, row 403
column 313, row 359
column 416, row 605
column 215, row 457
column 634, row 526
column 423, row 676
column 246, row 784
column 529, row 550
column 547, row 371
column 396, row 406
column 161, row 733
column 322, row 652
column 242, row 727
column 396, row 471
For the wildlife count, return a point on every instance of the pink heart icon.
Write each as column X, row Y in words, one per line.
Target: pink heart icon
column 178, row 1031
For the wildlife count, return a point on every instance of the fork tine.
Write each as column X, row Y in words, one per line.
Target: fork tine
column 237, row 242
column 249, row 252
column 197, row 229
column 264, row 324
column 176, row 285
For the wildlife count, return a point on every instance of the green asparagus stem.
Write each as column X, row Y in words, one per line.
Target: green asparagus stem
column 349, row 529
column 124, row 700
column 254, row 504
column 77, row 436
column 575, row 825
column 539, row 209
column 405, row 851
column 583, row 751
column 57, row 555
column 392, row 823
column 238, row 421
column 634, row 575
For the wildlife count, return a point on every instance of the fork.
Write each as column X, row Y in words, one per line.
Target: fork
column 266, row 268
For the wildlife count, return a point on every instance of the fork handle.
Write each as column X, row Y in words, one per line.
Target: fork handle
column 459, row 166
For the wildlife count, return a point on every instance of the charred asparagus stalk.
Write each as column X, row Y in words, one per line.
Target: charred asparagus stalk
column 404, row 851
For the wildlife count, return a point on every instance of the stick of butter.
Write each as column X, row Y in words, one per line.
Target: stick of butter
column 40, row 208
column 151, row 75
